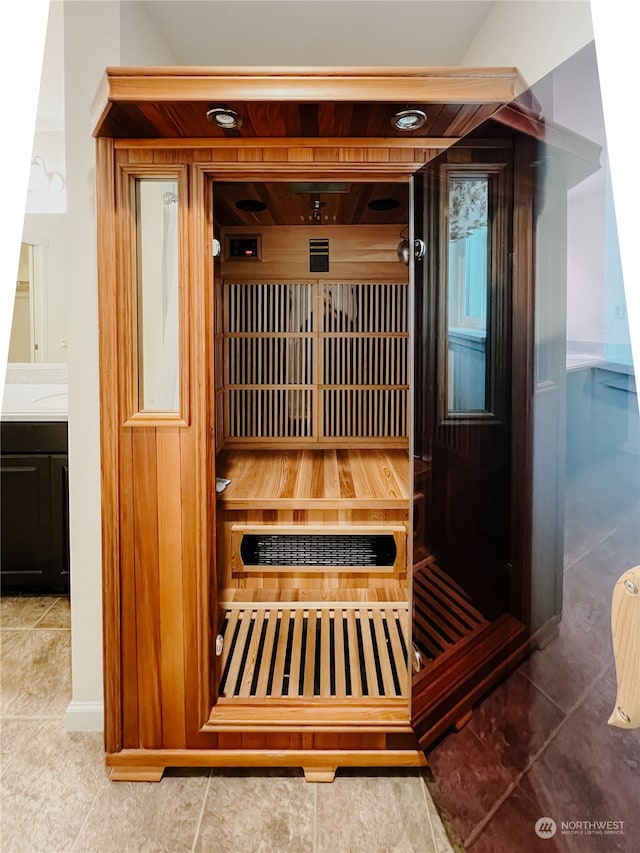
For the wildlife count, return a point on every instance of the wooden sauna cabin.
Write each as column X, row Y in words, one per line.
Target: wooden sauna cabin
column 321, row 543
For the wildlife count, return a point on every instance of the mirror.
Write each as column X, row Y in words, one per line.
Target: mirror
column 23, row 347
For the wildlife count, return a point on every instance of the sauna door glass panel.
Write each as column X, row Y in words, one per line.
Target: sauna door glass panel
column 467, row 280
column 462, row 376
column 158, row 315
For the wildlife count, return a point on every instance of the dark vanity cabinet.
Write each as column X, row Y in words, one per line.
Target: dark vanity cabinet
column 34, row 505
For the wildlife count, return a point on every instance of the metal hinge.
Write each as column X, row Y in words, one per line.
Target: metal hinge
column 219, row 644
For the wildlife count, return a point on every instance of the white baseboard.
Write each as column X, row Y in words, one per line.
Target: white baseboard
column 84, row 717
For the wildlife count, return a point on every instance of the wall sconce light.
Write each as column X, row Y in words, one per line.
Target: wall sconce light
column 224, row 117
column 41, row 181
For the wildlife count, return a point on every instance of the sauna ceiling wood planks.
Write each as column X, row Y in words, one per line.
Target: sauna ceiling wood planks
column 264, row 120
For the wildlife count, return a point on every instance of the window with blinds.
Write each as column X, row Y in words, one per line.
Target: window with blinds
column 314, row 361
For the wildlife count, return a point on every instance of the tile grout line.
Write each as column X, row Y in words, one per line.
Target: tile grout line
column 567, row 569
column 426, row 796
column 89, row 810
column 580, row 698
column 481, row 825
column 201, row 815
column 315, row 817
column 48, row 610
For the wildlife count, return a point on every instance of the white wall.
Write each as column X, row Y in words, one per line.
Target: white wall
column 532, row 35
column 94, row 34
column 140, row 43
column 585, row 271
column 92, row 41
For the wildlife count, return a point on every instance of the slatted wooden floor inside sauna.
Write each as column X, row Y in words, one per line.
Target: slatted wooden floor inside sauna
column 313, row 650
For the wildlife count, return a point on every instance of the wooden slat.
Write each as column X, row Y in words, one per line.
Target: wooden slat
column 340, row 674
column 325, row 657
column 310, row 654
column 400, row 659
column 267, row 651
column 278, row 673
column 383, row 655
column 252, row 656
column 147, row 593
column 369, row 658
column 229, row 631
column 294, row 674
column 354, row 660
column 172, row 670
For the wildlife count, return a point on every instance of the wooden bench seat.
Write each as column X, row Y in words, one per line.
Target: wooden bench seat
column 314, row 479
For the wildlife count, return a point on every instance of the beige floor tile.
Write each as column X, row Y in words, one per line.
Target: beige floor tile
column 24, row 611
column 35, row 672
column 374, row 812
column 145, row 817
column 13, row 735
column 59, row 616
column 9, row 638
column 258, row 812
column 48, row 789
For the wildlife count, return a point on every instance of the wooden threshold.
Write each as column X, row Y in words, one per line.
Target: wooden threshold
column 299, row 715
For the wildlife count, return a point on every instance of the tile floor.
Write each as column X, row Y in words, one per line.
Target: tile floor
column 540, row 744
column 56, row 798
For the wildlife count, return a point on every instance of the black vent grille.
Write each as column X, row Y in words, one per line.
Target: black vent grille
column 317, row 550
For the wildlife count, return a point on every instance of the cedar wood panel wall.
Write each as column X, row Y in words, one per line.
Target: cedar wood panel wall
column 158, row 494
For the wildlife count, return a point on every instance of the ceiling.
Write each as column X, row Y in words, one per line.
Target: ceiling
column 305, row 32
column 293, row 204
column 174, row 119
column 316, row 32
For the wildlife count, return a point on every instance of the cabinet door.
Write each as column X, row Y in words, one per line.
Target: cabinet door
column 60, row 518
column 26, row 522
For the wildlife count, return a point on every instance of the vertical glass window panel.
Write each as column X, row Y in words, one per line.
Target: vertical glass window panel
column 158, row 311
column 467, row 293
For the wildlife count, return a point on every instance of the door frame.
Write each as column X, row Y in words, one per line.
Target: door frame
column 204, row 177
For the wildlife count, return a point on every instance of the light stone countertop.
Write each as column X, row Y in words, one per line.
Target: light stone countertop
column 35, row 392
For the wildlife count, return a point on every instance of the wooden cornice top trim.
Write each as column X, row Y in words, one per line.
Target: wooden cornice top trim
column 309, row 71
column 305, row 85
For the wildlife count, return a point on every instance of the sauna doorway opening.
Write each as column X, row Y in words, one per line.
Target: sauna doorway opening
column 312, row 432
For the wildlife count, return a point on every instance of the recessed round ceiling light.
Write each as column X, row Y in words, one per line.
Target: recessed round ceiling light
column 409, row 119
column 224, row 117
column 251, row 205
column 383, row 204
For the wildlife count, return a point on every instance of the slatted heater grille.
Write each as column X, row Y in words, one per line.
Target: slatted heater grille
column 327, row 652
column 317, row 550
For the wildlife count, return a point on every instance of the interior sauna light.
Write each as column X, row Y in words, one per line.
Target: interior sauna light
column 224, row 117
column 409, row 119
